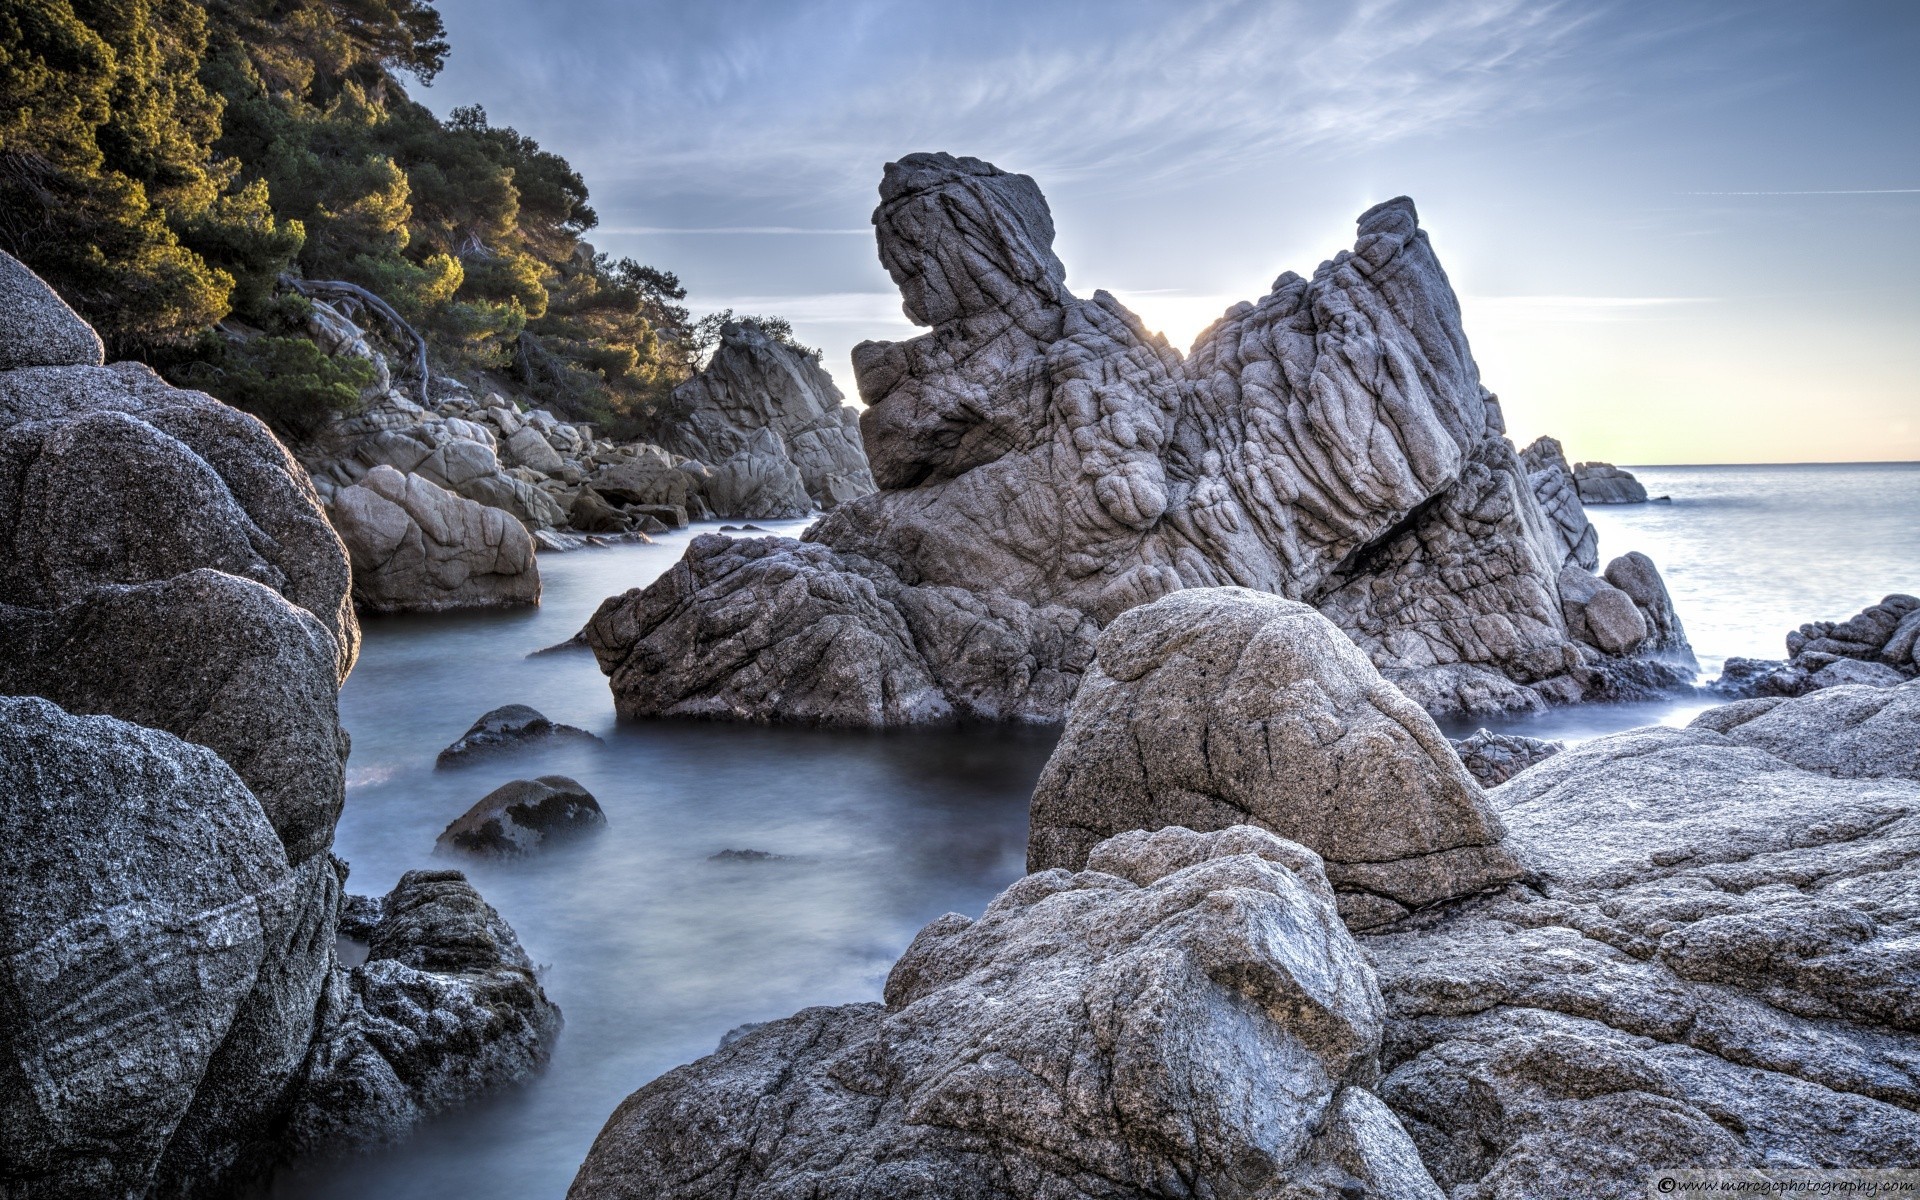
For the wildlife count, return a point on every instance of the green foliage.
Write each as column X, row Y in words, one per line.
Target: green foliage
column 288, row 382
column 164, row 162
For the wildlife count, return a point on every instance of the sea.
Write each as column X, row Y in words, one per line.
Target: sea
column 654, row 949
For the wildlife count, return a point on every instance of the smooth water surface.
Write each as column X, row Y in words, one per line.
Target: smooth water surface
column 654, row 951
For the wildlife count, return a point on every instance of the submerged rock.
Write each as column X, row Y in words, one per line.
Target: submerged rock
column 1604, row 483
column 1221, row 706
column 1331, row 443
column 1876, row 647
column 523, row 816
column 419, row 548
column 1188, row 1009
column 509, row 728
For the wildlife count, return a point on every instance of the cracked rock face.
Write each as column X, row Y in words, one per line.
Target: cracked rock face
column 1876, row 646
column 1188, row 1013
column 1329, row 443
column 772, row 426
column 420, row 548
column 1217, row 707
column 1559, row 496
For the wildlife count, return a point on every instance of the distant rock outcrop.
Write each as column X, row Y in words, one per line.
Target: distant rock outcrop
column 1604, row 483
column 1220, row 706
column 176, row 620
column 771, row 425
column 1187, row 1017
column 416, row 547
column 1878, row 646
column 1331, row 444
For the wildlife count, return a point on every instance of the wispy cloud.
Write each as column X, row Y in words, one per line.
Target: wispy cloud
column 1820, row 192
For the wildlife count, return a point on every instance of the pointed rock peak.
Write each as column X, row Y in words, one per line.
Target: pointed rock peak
column 1216, row 707
column 37, row 327
column 962, row 238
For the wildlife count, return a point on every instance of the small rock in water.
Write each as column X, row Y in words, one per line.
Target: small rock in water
column 746, row 856
column 517, row 818
column 509, row 727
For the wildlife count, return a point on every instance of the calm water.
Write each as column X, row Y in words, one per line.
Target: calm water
column 654, row 951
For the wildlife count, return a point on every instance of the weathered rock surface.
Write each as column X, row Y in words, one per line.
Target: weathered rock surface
column 1553, row 486
column 522, row 816
column 41, row 329
column 177, row 606
column 1331, row 443
column 1493, row 758
column 1185, row 1017
column 793, row 631
column 1851, row 732
column 506, row 729
column 1215, row 707
column 1604, row 483
column 1876, row 647
column 446, row 1008
column 772, row 426
column 417, row 547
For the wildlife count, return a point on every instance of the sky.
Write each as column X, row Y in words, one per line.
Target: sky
column 1682, row 232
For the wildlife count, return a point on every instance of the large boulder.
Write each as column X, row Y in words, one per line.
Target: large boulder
column 1185, row 1017
column 420, row 548
column 1221, row 706
column 522, row 816
column 1604, row 483
column 791, row 631
column 773, row 426
column 1330, row 443
column 41, row 329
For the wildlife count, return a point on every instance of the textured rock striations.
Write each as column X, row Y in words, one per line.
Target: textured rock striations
column 1559, row 495
column 1185, row 1017
column 1877, row 646
column 772, row 426
column 1331, row 443
column 1220, row 706
column 176, row 623
column 417, row 547
column 1604, row 483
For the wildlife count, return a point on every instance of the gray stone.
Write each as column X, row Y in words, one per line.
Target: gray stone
column 1186, row 1017
column 1553, row 486
column 509, row 728
column 1493, row 758
column 1599, row 613
column 447, row 1007
column 521, row 817
column 416, row 547
column 37, row 327
column 1854, row 732
column 1215, row 707
column 1875, row 648
column 1604, row 483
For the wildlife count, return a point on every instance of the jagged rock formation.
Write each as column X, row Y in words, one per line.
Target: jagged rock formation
column 1493, row 758
column 177, row 623
column 771, row 425
column 1553, row 486
column 1186, row 1017
column 521, row 816
column 416, row 547
column 506, row 729
column 1604, row 483
column 1331, row 443
column 1215, row 707
column 1878, row 646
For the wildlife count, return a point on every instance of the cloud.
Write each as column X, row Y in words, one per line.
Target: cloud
column 1823, row 192
column 1571, row 309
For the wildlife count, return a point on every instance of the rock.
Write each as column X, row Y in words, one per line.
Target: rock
column 526, row 447
column 1186, row 1017
column 774, row 427
column 159, row 967
column 1331, row 444
column 41, row 329
column 791, row 631
column 746, row 856
column 334, row 333
column 1855, row 732
column 672, row 516
column 591, row 514
column 1493, row 758
column 212, row 659
column 108, row 475
column 520, row 817
column 419, row 548
column 1553, row 486
column 1600, row 614
column 1604, row 483
column 1875, row 648
column 508, row 728
column 1635, row 574
column 446, row 1007
column 1216, row 707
